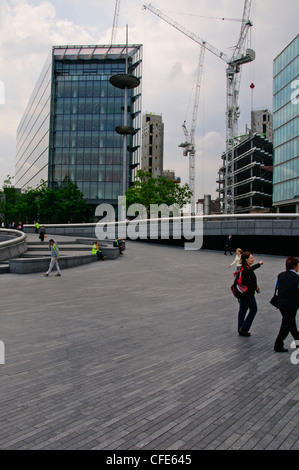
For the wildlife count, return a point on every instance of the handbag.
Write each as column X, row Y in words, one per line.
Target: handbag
column 238, row 289
column 274, row 299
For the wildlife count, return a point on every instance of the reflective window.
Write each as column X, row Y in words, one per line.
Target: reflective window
column 286, row 124
column 82, row 144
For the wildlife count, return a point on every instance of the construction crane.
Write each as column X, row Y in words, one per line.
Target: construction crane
column 115, row 21
column 189, row 146
column 240, row 56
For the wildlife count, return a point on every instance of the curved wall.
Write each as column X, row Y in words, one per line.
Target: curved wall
column 12, row 243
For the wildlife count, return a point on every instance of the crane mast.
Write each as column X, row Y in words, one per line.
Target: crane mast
column 115, row 21
column 189, row 146
column 239, row 57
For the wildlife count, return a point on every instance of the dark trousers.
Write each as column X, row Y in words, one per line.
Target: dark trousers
column 288, row 325
column 246, row 303
column 228, row 248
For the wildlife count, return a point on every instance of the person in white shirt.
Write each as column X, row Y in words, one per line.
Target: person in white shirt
column 237, row 260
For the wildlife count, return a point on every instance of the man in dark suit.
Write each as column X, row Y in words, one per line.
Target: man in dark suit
column 228, row 245
column 287, row 284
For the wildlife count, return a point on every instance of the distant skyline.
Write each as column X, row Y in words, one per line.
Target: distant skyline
column 29, row 28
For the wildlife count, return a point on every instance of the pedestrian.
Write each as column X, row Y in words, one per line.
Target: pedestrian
column 247, row 301
column 237, row 260
column 54, row 258
column 42, row 233
column 287, row 285
column 36, row 226
column 118, row 242
column 228, row 245
column 96, row 250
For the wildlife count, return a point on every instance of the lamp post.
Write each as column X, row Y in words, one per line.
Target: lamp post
column 125, row 81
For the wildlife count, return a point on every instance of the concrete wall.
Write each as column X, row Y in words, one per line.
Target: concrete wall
column 31, row 265
column 73, row 230
column 249, row 226
column 13, row 243
column 260, row 233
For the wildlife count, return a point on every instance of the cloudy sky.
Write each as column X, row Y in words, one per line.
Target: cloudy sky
column 28, row 29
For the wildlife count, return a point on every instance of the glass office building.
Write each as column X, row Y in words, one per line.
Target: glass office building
column 67, row 132
column 286, row 129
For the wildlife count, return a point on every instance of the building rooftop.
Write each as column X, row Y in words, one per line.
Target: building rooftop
column 95, row 52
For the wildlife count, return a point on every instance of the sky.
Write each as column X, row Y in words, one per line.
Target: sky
column 28, row 29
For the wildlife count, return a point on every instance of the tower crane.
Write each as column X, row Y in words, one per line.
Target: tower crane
column 115, row 21
column 189, row 146
column 241, row 55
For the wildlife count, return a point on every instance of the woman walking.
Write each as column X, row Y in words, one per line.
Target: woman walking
column 237, row 260
column 247, row 301
column 287, row 285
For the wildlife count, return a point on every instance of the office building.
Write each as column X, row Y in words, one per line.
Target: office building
column 67, row 132
column 152, row 144
column 286, row 129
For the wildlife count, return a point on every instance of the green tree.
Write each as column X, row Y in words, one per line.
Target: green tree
column 62, row 205
column 147, row 190
column 9, row 198
column 45, row 204
column 27, row 205
column 71, row 204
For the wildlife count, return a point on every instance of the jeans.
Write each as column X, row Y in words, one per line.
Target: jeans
column 247, row 302
column 227, row 248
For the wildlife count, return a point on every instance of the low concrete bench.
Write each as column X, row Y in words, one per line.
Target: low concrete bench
column 41, row 264
column 106, row 246
column 13, row 243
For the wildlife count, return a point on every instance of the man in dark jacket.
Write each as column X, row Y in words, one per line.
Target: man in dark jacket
column 287, row 284
column 228, row 245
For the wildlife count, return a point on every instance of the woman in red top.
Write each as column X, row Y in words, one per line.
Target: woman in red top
column 247, row 301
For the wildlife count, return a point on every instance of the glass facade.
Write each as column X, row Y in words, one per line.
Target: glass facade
column 32, row 145
column 83, row 146
column 286, row 129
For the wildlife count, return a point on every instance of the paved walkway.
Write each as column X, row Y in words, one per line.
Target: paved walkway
column 142, row 353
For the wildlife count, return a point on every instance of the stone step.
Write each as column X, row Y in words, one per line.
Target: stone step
column 72, row 253
column 46, row 243
column 24, row 265
column 46, row 254
column 68, row 247
column 4, row 268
